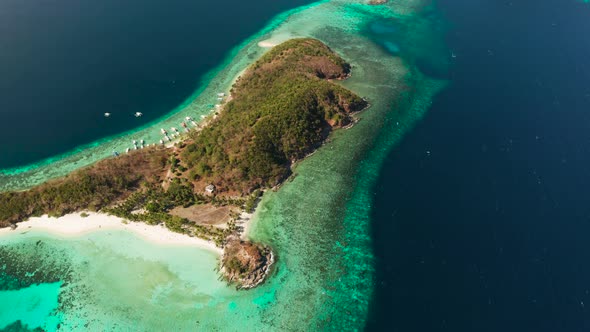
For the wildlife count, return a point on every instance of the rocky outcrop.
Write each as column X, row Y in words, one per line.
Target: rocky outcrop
column 245, row 263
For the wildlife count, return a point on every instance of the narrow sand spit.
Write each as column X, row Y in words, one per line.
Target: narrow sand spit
column 73, row 225
column 267, row 44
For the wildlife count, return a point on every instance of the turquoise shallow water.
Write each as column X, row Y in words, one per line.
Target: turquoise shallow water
column 33, row 305
column 200, row 103
column 317, row 223
column 106, row 280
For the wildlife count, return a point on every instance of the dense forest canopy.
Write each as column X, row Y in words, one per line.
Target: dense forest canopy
column 281, row 109
column 91, row 188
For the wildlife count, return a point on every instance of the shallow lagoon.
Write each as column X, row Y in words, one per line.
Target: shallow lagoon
column 106, row 279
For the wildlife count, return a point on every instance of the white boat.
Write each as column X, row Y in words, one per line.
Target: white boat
column 134, row 142
column 161, row 142
column 106, row 115
column 142, row 142
column 221, row 94
column 163, row 131
column 127, row 150
column 138, row 114
column 174, row 129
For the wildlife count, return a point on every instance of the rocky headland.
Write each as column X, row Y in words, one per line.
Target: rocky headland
column 245, row 263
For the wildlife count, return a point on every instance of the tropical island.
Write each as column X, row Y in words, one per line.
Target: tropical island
column 279, row 111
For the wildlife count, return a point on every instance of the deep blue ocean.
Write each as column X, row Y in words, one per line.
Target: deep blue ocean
column 65, row 63
column 481, row 219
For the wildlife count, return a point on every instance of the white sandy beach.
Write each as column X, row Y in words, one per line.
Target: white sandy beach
column 246, row 222
column 73, row 225
column 276, row 39
column 267, row 44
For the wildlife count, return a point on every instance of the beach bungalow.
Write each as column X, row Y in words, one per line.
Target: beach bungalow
column 210, row 189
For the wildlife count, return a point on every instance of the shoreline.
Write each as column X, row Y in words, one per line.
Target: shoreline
column 246, row 219
column 246, row 259
column 303, row 263
column 198, row 106
column 74, row 225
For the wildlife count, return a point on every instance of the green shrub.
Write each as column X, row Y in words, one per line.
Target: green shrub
column 281, row 109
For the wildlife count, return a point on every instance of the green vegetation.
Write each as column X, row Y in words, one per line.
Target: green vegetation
column 282, row 108
column 152, row 205
column 91, row 188
column 251, row 201
column 245, row 263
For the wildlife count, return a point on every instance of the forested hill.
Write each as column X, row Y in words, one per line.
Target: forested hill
column 282, row 108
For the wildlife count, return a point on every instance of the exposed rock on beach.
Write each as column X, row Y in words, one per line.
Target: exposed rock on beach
column 245, row 263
